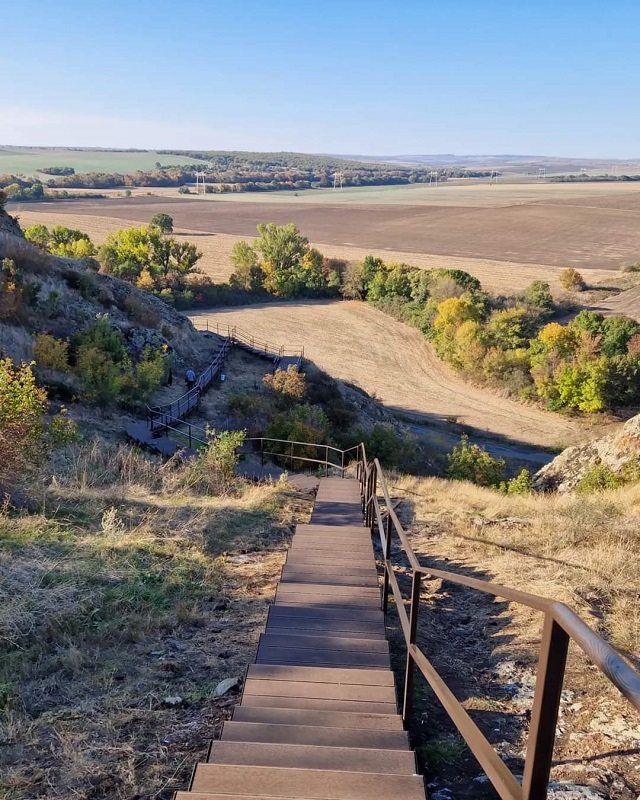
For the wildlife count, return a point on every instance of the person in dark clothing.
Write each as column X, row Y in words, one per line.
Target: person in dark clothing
column 170, row 377
column 190, row 379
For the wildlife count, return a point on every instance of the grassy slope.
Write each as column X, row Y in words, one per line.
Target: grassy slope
column 582, row 550
column 128, row 588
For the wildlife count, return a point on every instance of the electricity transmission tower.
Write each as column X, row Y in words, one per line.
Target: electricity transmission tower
column 494, row 177
column 198, row 184
column 542, row 173
column 337, row 180
column 433, row 177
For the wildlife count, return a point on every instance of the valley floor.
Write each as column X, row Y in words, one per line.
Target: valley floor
column 358, row 344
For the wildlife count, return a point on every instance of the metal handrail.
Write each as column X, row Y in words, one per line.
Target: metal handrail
column 267, row 348
column 159, row 416
column 290, row 456
column 561, row 625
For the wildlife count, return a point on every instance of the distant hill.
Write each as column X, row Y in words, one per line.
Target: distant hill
column 502, row 162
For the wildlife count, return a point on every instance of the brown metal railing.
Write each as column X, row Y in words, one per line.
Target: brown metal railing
column 561, row 625
column 308, row 453
column 238, row 336
column 160, row 417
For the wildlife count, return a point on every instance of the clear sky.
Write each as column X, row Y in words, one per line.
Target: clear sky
column 551, row 77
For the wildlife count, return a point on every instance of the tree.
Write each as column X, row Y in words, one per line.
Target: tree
column 281, row 246
column 247, row 273
column 538, row 294
column 39, row 235
column 162, row 221
column 571, row 280
column 509, row 329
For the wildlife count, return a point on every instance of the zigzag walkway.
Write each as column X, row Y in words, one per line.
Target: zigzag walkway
column 318, row 716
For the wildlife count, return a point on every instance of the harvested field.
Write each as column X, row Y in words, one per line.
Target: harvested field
column 594, row 228
column 356, row 343
column 496, row 276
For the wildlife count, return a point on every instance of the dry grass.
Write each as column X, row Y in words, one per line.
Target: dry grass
column 582, row 550
column 356, row 343
column 119, row 595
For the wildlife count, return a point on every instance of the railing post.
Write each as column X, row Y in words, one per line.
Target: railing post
column 342, row 464
column 544, row 716
column 262, row 452
column 189, row 435
column 407, row 705
column 291, row 455
column 326, row 461
column 387, row 558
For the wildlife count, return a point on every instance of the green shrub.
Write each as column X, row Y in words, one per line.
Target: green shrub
column 51, row 353
column 290, row 385
column 213, row 472
column 470, row 462
column 100, row 376
column 520, row 484
column 598, row 478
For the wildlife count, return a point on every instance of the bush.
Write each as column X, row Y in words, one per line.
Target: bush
column 392, row 448
column 162, row 221
column 51, row 353
column 25, row 438
column 213, row 472
column 290, row 384
column 598, row 478
column 520, row 484
column 571, row 280
column 99, row 375
column 470, row 462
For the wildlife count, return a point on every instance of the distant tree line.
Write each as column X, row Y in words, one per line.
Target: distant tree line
column 57, row 170
column 583, row 177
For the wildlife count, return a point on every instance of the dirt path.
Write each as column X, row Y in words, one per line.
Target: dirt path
column 356, row 343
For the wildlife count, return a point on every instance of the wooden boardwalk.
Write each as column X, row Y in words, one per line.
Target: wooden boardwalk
column 318, row 716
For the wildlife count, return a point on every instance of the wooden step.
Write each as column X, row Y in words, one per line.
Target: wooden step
column 335, row 569
column 316, row 757
column 342, row 677
column 355, row 592
column 320, row 704
column 324, row 629
column 367, row 618
column 366, row 578
column 345, row 530
column 320, row 691
column 310, row 783
column 300, row 557
column 321, row 546
column 321, row 658
column 324, row 601
column 324, row 642
column 235, row 731
column 318, row 719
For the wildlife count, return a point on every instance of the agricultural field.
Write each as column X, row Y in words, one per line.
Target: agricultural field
column 496, row 276
column 29, row 160
column 358, row 344
column 591, row 227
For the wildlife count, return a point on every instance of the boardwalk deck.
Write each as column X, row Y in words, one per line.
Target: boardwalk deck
column 318, row 716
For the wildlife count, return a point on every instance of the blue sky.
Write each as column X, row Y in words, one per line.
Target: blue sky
column 377, row 77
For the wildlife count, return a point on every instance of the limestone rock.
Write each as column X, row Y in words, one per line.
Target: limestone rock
column 614, row 452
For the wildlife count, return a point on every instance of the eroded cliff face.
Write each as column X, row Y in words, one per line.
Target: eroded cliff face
column 9, row 224
column 616, row 452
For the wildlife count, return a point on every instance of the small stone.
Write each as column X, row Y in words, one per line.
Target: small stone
column 119, row 676
column 226, row 686
column 172, row 702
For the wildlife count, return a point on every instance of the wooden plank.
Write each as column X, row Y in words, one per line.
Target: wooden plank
column 320, row 704
column 318, row 757
column 354, row 677
column 296, row 783
column 318, row 719
column 321, row 658
column 313, row 734
column 326, row 642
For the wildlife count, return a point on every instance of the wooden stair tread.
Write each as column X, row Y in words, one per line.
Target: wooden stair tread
column 318, row 719
column 338, row 736
column 326, row 642
column 316, row 757
column 342, row 677
column 292, row 783
column 320, row 703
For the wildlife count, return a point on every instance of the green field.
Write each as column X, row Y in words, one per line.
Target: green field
column 28, row 160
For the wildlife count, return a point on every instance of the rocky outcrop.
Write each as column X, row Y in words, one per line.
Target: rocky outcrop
column 9, row 224
column 615, row 452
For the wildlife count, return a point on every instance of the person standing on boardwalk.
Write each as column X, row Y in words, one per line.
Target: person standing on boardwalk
column 190, row 378
column 170, row 377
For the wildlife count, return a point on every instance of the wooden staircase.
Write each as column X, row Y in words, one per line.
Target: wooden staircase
column 318, row 716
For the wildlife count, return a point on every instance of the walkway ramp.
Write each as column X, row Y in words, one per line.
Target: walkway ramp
column 318, row 717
